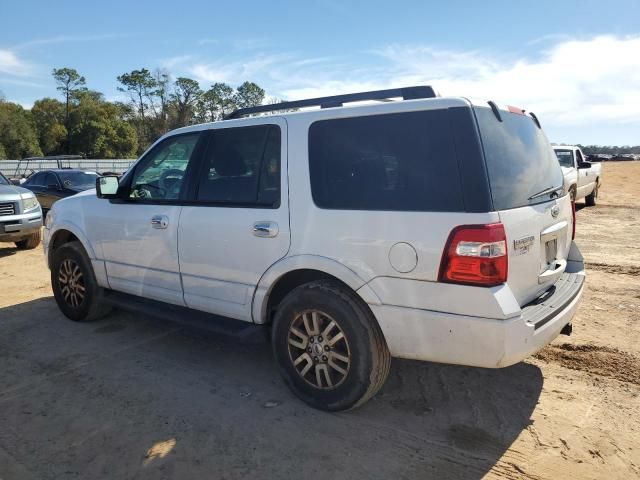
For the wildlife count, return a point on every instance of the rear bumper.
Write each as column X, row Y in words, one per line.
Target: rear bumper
column 482, row 342
column 16, row 227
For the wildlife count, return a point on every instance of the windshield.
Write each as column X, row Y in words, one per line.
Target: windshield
column 520, row 160
column 84, row 180
column 565, row 157
column 3, row 180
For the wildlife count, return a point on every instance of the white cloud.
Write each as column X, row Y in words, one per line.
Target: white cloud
column 11, row 64
column 73, row 39
column 572, row 82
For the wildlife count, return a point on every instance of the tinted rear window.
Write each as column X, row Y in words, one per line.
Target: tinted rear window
column 520, row 161
column 403, row 161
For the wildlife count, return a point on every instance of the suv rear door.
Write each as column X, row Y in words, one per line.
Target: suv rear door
column 527, row 188
column 236, row 222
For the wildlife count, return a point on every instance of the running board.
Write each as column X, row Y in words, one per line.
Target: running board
column 238, row 329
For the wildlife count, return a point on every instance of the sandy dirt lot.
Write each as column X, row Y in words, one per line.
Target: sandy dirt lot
column 134, row 397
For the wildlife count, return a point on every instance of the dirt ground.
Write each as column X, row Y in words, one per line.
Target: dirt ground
column 134, row 397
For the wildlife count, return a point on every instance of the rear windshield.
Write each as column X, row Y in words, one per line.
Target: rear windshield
column 520, row 161
column 401, row 161
column 565, row 157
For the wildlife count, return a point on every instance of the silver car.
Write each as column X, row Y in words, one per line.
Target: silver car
column 20, row 215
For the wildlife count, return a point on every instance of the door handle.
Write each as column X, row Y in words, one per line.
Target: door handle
column 160, row 221
column 265, row 229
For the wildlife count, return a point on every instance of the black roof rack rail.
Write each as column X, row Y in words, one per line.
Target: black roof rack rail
column 407, row 93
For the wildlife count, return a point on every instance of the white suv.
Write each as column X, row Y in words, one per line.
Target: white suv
column 426, row 228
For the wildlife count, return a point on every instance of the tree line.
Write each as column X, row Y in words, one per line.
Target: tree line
column 610, row 149
column 82, row 122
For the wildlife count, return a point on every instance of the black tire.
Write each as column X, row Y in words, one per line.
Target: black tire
column 369, row 357
column 29, row 243
column 90, row 307
column 590, row 200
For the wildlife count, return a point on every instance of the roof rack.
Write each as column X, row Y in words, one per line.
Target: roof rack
column 407, row 93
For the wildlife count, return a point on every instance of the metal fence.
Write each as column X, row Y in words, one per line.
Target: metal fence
column 13, row 167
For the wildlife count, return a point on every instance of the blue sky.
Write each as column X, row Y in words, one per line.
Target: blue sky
column 574, row 63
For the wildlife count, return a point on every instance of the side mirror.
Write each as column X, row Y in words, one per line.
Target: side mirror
column 583, row 165
column 107, row 187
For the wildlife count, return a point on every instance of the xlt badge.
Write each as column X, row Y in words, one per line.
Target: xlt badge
column 522, row 245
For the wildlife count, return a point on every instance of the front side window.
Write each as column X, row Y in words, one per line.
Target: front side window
column 565, row 157
column 160, row 174
column 51, row 180
column 399, row 162
column 242, row 167
column 37, row 180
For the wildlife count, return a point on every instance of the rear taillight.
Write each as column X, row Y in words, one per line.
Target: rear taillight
column 573, row 216
column 475, row 255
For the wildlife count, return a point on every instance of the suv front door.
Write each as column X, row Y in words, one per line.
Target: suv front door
column 139, row 234
column 236, row 224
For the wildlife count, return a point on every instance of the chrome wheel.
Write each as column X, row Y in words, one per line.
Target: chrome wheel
column 319, row 349
column 72, row 284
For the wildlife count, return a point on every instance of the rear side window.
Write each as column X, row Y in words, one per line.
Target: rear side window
column 520, row 160
column 401, row 161
column 242, row 167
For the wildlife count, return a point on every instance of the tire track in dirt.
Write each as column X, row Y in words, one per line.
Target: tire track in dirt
column 595, row 359
column 616, row 269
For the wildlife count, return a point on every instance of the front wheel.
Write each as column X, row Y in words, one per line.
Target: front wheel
column 74, row 284
column 590, row 200
column 30, row 242
column 328, row 347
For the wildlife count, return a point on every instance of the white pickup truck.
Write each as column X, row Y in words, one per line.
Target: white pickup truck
column 582, row 178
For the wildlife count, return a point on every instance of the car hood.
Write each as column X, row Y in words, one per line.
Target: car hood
column 80, row 188
column 11, row 192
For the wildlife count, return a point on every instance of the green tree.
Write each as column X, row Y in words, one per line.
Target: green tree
column 184, row 97
column 70, row 83
column 249, row 95
column 17, row 132
column 99, row 131
column 162, row 94
column 140, row 85
column 49, row 119
column 216, row 102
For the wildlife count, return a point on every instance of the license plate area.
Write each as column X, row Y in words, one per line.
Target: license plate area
column 551, row 252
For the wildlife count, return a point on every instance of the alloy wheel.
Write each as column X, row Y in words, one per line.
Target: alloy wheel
column 72, row 283
column 319, row 349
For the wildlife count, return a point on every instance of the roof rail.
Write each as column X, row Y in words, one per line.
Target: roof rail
column 407, row 93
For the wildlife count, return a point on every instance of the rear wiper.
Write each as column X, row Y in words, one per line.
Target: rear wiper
column 544, row 192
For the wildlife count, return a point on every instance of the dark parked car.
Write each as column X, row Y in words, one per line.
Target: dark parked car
column 52, row 185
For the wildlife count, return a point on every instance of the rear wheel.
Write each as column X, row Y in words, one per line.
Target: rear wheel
column 328, row 347
column 590, row 200
column 29, row 243
column 74, row 284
